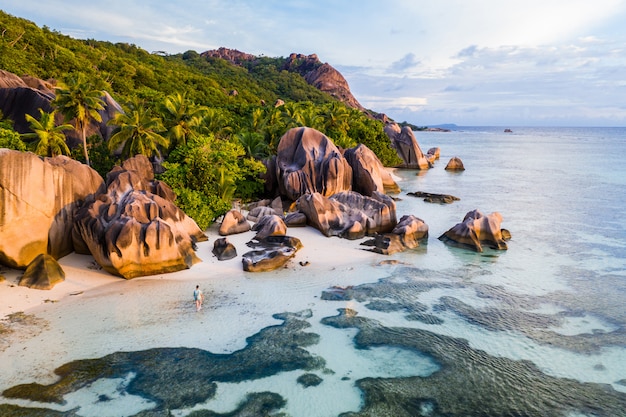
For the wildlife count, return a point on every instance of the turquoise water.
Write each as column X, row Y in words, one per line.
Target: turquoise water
column 537, row 330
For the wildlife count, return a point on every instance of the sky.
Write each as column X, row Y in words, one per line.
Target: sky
column 465, row 62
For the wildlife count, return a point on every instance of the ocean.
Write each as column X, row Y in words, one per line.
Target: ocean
column 538, row 329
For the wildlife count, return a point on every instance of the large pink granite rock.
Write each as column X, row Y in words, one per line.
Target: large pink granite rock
column 308, row 162
column 38, row 197
column 349, row 214
column 404, row 142
column 368, row 173
column 131, row 231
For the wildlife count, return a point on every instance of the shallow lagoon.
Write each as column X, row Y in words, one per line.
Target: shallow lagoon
column 536, row 330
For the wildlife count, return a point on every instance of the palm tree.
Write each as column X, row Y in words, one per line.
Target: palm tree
column 253, row 143
column 138, row 131
column 182, row 118
column 80, row 101
column 49, row 138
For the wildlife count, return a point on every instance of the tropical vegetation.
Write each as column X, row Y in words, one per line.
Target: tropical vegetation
column 208, row 122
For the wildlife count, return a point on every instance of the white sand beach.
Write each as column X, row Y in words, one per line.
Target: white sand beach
column 92, row 313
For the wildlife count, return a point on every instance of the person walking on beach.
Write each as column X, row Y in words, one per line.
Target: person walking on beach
column 198, row 297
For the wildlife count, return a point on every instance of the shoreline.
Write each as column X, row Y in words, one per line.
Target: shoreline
column 92, row 313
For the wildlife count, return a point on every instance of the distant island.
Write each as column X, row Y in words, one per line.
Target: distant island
column 437, row 128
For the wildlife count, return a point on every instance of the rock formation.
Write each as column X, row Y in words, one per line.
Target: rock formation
column 271, row 252
column 404, row 142
column 223, row 249
column 477, row 230
column 131, row 231
column 308, row 162
column 38, row 197
column 407, row 234
column 43, row 273
column 234, row 222
column 349, row 214
column 26, row 95
column 435, row 198
column 455, row 164
column 368, row 173
column 271, row 225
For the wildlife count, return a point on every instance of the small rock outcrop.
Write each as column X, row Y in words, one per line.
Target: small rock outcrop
column 131, row 231
column 308, row 162
column 223, row 249
column 349, row 214
column 477, row 230
column 43, row 273
column 368, row 173
column 455, row 164
column 404, row 142
column 271, row 225
column 407, row 234
column 234, row 222
column 271, row 252
column 434, row 198
column 38, row 199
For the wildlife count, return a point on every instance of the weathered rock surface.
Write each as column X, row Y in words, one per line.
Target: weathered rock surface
column 271, row 225
column 477, row 230
column 455, row 164
column 131, row 231
column 26, row 95
column 368, row 173
column 407, row 234
column 434, row 198
column 271, row 252
column 234, row 222
column 308, row 162
column 43, row 273
column 349, row 214
column 38, row 198
column 223, row 249
column 257, row 213
column 404, row 142
column 295, row 219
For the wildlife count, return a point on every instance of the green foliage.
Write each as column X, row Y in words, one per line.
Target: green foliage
column 9, row 138
column 206, row 173
column 49, row 139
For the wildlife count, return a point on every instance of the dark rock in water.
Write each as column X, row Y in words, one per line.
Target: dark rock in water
column 223, row 249
column 476, row 230
column 309, row 380
column 43, row 273
column 435, row 198
column 271, row 252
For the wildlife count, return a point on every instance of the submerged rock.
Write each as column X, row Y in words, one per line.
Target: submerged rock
column 435, row 198
column 477, row 230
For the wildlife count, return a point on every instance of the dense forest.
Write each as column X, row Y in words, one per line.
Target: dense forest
column 210, row 122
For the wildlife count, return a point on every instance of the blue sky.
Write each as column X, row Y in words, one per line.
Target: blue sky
column 469, row 62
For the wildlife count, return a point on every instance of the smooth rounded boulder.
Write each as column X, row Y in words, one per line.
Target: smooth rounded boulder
column 38, row 198
column 308, row 162
column 234, row 223
column 404, row 142
column 368, row 173
column 43, row 273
